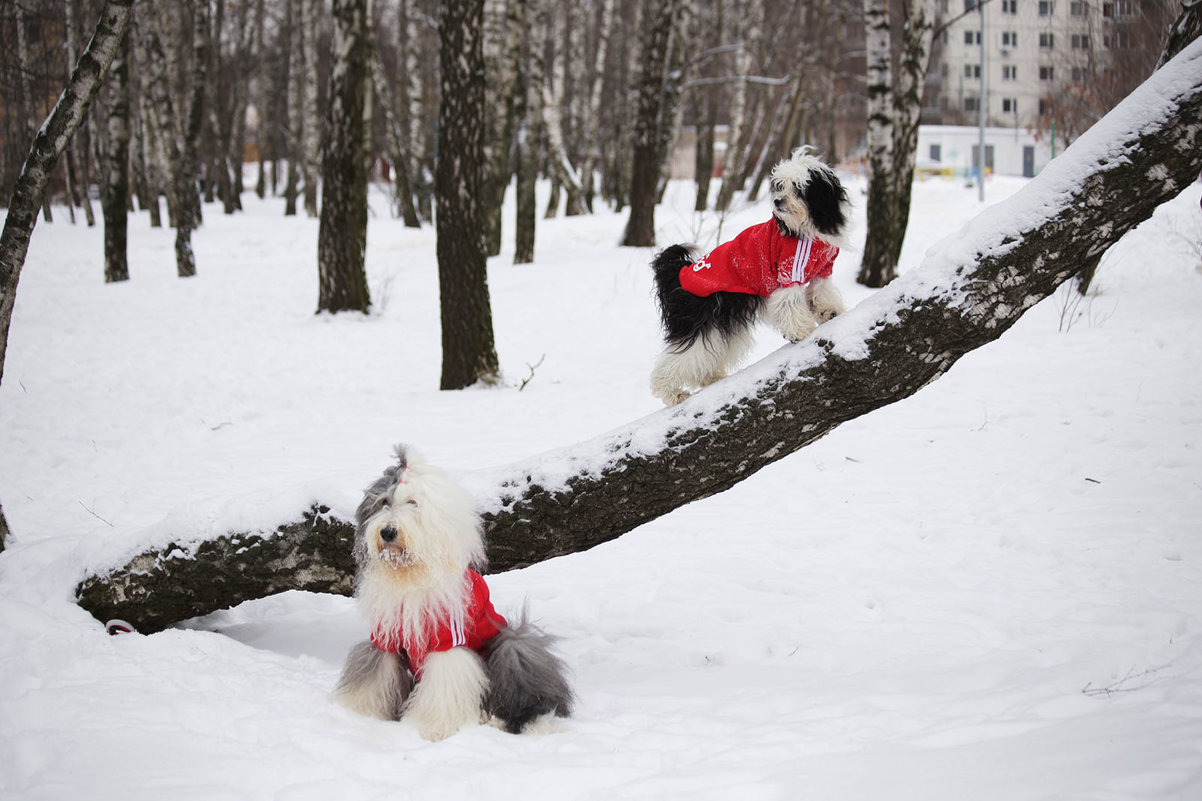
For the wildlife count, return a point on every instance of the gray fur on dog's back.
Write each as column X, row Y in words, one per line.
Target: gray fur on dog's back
column 526, row 680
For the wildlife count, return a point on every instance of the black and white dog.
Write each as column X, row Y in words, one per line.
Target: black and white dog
column 778, row 270
column 440, row 656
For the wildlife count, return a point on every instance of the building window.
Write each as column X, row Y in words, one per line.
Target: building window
column 972, row 71
column 1009, row 6
column 1045, row 41
column 1009, row 105
column 971, row 104
column 1078, row 74
column 1078, row 8
column 1045, row 73
column 1009, row 72
column 1080, row 41
column 1009, row 38
column 1045, row 8
column 970, row 5
column 936, row 153
column 972, row 37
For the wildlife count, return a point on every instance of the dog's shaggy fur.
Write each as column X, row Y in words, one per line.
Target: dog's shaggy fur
column 416, row 538
column 706, row 336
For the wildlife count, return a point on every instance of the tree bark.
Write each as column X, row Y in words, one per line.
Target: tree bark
column 525, row 119
column 967, row 293
column 468, row 351
column 395, row 135
column 114, row 199
column 894, row 105
column 644, row 185
column 342, row 233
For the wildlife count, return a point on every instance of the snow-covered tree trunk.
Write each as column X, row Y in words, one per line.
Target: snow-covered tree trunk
column 342, row 234
column 644, row 184
column 894, row 105
column 114, row 188
column 969, row 290
column 48, row 144
column 468, row 351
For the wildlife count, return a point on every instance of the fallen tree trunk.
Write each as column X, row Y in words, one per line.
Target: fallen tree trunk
column 969, row 290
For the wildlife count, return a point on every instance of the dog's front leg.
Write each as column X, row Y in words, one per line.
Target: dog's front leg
column 788, row 311
column 824, row 299
column 449, row 695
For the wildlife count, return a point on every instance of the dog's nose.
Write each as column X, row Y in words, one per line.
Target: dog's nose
column 780, row 202
column 388, row 534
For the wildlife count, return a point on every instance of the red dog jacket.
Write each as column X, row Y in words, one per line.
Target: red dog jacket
column 481, row 622
column 759, row 261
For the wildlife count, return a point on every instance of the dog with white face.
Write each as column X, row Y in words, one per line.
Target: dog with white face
column 440, row 655
column 778, row 271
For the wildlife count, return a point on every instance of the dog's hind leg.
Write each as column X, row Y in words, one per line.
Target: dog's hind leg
column 527, row 683
column 373, row 683
column 707, row 359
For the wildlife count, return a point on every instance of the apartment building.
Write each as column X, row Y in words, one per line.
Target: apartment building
column 1051, row 67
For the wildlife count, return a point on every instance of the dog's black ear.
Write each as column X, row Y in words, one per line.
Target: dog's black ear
column 826, row 199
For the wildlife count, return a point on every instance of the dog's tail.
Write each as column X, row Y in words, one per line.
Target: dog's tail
column 526, row 680
column 687, row 317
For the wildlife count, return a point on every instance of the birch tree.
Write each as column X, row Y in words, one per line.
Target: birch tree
column 48, row 144
column 468, row 350
column 342, row 234
column 894, row 105
column 644, row 186
column 114, row 188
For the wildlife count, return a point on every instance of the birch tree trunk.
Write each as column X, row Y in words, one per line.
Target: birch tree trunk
column 395, row 135
column 296, row 105
column 74, row 152
column 968, row 292
column 742, row 112
column 188, row 213
column 644, row 186
column 48, row 144
column 27, row 88
column 894, row 105
column 342, row 234
column 500, row 39
column 310, row 20
column 114, row 189
column 527, row 98
column 468, row 351
column 552, row 88
column 591, row 123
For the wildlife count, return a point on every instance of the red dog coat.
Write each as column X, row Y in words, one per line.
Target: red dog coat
column 481, row 623
column 759, row 261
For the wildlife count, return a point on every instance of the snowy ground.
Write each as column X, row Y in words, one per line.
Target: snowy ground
column 992, row 590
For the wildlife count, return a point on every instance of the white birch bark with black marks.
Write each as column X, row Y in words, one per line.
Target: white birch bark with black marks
column 27, row 102
column 552, row 88
column 47, row 145
column 311, row 117
column 894, row 105
column 296, row 105
column 500, row 76
column 395, row 137
column 967, row 293
column 591, row 122
column 740, row 129
column 74, row 151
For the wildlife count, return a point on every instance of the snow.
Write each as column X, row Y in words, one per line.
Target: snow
column 990, row 590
